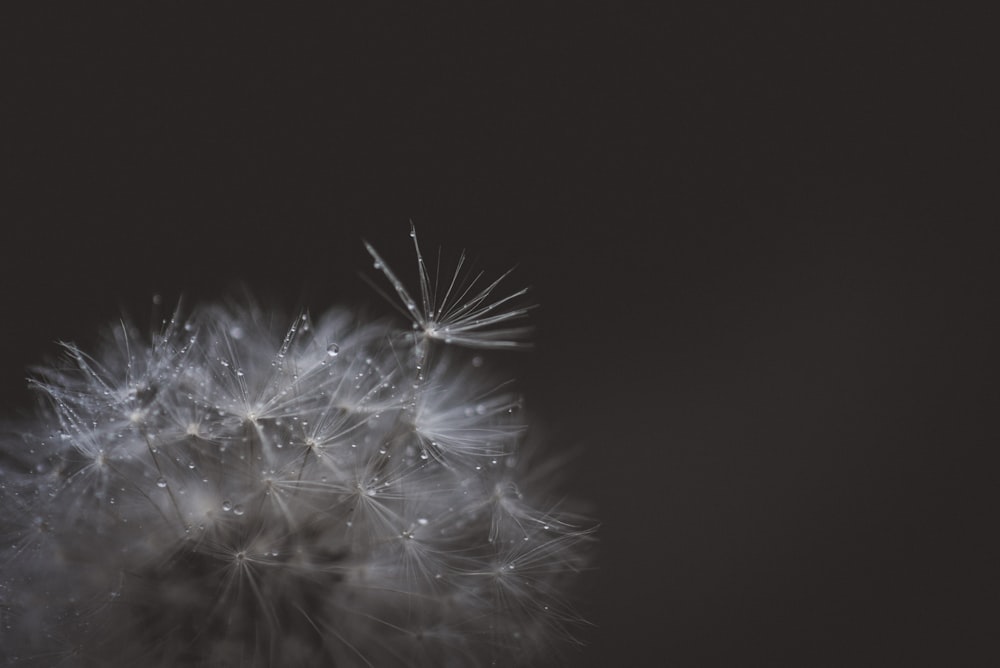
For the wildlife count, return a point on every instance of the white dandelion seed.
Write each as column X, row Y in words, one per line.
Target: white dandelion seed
column 465, row 313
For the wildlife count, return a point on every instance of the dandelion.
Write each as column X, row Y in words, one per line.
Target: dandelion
column 241, row 490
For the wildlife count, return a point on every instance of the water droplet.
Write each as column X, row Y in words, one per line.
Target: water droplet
column 224, row 363
column 157, row 299
column 424, row 455
column 161, row 482
column 481, row 409
column 422, row 521
column 332, row 350
column 377, row 264
column 236, row 332
column 227, row 505
column 477, row 361
column 238, row 510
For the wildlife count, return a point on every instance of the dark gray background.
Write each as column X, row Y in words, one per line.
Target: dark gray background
column 759, row 238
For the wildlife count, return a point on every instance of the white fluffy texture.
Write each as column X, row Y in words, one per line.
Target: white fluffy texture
column 238, row 492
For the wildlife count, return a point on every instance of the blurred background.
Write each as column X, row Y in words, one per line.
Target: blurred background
column 759, row 239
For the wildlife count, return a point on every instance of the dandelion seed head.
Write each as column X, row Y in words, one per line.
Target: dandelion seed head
column 333, row 491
